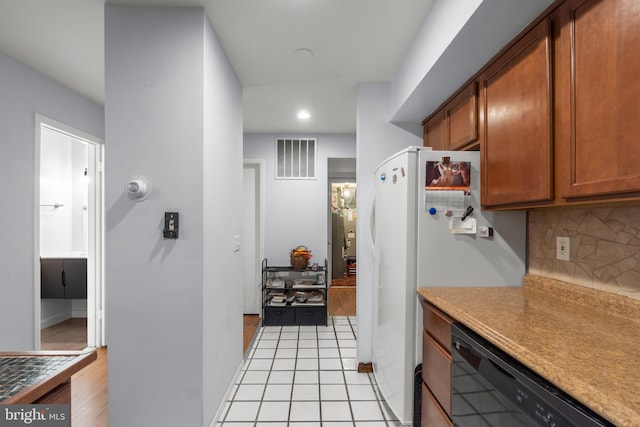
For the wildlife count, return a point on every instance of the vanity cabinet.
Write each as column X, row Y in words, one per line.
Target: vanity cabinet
column 294, row 297
column 436, row 367
column 455, row 125
column 63, row 278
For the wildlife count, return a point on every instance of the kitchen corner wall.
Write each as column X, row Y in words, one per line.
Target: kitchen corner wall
column 604, row 247
column 173, row 114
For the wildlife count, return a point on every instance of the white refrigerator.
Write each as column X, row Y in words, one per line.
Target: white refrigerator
column 424, row 234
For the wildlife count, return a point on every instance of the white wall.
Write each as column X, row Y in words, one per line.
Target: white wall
column 456, row 40
column 174, row 307
column 24, row 93
column 296, row 210
column 63, row 160
column 222, row 298
column 377, row 139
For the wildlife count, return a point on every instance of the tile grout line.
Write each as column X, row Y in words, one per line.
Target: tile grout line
column 340, row 351
column 293, row 379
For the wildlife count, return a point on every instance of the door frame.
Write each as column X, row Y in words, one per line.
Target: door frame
column 259, row 235
column 96, row 322
column 335, row 176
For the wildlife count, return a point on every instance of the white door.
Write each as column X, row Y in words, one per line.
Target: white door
column 252, row 237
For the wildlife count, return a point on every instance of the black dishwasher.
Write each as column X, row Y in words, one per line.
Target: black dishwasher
column 490, row 388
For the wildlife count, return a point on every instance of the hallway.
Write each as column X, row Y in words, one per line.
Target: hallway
column 305, row 376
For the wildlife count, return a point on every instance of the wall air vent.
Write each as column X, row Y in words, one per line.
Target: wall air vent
column 296, row 158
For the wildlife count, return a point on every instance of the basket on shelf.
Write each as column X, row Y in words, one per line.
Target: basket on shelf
column 300, row 257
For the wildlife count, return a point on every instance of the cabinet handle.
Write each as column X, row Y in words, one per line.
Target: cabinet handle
column 64, row 279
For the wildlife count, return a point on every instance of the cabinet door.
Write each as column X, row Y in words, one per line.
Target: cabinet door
column 600, row 89
column 432, row 413
column 517, row 142
column 75, row 278
column 461, row 118
column 51, row 278
column 436, row 371
column 434, row 131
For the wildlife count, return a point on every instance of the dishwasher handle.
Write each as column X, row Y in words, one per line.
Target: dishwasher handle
column 490, row 368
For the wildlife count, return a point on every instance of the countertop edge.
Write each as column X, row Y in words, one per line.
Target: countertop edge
column 614, row 411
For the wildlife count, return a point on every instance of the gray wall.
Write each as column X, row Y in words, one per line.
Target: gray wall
column 174, row 307
column 377, row 139
column 23, row 92
column 456, row 40
column 296, row 211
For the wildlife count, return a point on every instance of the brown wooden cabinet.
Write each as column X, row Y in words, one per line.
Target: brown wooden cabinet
column 434, row 131
column 598, row 97
column 517, row 133
column 462, row 118
column 436, row 367
column 455, row 125
column 557, row 110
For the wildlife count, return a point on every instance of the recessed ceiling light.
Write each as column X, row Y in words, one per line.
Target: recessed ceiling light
column 303, row 115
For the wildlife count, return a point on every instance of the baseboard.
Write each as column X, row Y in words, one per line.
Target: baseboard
column 79, row 313
column 365, row 367
column 228, row 395
column 54, row 320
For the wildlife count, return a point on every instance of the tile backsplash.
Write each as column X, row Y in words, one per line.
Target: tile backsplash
column 604, row 247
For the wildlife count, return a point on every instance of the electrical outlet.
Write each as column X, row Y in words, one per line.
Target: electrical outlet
column 563, row 248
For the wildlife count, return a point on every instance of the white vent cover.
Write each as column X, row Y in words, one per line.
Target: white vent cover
column 296, row 158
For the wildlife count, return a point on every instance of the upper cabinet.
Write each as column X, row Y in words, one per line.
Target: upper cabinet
column 556, row 110
column 598, row 97
column 434, row 131
column 455, row 125
column 517, row 134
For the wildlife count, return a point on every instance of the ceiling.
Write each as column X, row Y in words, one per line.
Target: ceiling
column 343, row 42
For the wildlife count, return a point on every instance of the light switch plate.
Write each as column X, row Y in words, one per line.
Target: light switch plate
column 563, row 248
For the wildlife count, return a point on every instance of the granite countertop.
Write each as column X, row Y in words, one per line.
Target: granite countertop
column 584, row 341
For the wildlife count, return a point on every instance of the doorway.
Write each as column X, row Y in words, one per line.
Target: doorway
column 69, row 225
column 341, row 222
column 343, row 233
column 253, row 238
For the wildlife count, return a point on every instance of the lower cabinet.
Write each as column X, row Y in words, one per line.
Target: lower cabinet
column 432, row 413
column 63, row 278
column 436, row 367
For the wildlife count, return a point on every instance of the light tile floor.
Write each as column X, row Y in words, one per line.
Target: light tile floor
column 305, row 376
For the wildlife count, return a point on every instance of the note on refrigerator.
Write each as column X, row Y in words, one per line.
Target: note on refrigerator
column 459, row 226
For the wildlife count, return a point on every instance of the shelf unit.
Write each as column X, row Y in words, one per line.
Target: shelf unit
column 294, row 297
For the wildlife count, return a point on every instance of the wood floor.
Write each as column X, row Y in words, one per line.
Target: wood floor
column 68, row 335
column 89, row 386
column 342, row 301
